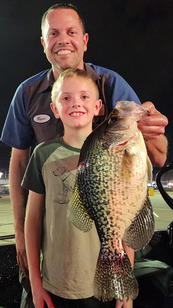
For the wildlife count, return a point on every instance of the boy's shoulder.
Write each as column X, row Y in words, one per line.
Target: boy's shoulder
column 45, row 149
column 48, row 146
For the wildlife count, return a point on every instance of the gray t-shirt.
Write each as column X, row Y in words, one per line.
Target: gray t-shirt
column 69, row 255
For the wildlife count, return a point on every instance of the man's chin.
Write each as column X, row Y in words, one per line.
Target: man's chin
column 64, row 66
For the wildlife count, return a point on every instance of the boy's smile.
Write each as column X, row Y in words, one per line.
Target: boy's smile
column 76, row 114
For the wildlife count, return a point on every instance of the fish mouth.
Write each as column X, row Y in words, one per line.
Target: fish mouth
column 119, row 132
column 119, row 142
column 123, row 143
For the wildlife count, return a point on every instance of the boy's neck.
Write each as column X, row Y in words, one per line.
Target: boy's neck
column 76, row 138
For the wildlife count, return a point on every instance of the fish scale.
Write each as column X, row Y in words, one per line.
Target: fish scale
column 111, row 191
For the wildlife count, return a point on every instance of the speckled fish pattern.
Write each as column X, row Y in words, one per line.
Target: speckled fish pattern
column 111, row 191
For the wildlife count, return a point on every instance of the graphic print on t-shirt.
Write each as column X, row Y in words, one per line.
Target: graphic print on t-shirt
column 67, row 179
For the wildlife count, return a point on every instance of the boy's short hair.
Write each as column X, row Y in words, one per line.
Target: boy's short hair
column 72, row 73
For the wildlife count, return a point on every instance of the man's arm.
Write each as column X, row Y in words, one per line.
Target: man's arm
column 18, row 194
column 153, row 128
column 157, row 150
column 33, row 235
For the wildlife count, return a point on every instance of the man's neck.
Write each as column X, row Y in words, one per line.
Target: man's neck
column 55, row 73
column 58, row 71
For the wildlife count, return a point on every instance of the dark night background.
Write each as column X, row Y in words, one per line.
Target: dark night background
column 134, row 38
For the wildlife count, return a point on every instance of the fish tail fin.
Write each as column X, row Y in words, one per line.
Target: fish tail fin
column 115, row 279
column 77, row 213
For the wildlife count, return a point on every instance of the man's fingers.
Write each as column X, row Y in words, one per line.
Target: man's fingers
column 22, row 263
column 25, row 271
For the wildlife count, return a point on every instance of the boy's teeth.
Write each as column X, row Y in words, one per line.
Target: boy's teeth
column 75, row 114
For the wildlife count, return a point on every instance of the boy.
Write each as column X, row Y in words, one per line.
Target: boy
column 69, row 255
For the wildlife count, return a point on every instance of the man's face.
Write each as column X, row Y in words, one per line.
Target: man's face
column 63, row 40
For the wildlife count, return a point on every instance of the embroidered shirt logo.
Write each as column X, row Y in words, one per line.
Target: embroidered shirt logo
column 41, row 118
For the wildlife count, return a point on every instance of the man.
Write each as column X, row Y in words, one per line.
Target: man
column 31, row 121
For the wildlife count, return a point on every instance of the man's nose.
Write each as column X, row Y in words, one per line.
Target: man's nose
column 63, row 39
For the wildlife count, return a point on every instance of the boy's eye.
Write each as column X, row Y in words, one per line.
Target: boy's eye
column 65, row 98
column 84, row 97
column 52, row 33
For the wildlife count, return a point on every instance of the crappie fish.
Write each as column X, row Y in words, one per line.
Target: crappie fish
column 111, row 190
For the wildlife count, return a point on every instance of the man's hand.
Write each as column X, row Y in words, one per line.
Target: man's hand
column 152, row 127
column 21, row 255
column 18, row 195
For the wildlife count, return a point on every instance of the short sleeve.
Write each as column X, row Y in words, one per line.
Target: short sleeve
column 17, row 131
column 33, row 179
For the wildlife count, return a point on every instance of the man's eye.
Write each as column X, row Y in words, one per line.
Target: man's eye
column 72, row 32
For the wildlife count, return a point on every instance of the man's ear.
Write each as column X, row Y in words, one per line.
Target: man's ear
column 42, row 42
column 54, row 110
column 85, row 41
column 97, row 107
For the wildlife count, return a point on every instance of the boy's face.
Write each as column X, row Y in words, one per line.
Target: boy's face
column 76, row 103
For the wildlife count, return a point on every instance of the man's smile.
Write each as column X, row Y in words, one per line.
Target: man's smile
column 64, row 52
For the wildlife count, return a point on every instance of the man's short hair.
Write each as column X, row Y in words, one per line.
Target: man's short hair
column 63, row 6
column 72, row 73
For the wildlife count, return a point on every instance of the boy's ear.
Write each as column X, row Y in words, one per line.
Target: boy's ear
column 97, row 107
column 54, row 110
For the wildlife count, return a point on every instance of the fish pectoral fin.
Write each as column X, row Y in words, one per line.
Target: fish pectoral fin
column 141, row 230
column 77, row 213
column 115, row 279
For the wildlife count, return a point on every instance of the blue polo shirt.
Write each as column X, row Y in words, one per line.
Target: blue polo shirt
column 30, row 119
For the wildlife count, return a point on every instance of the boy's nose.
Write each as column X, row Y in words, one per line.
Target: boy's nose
column 76, row 102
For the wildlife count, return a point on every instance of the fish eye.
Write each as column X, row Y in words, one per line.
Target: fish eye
column 112, row 120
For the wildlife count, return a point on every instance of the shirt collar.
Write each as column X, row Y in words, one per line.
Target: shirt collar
column 47, row 82
column 49, row 78
column 91, row 71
